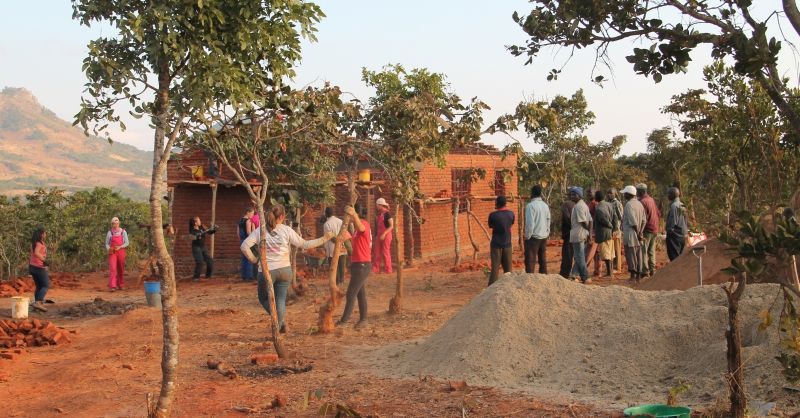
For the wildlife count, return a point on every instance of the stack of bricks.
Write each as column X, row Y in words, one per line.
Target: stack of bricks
column 16, row 287
column 15, row 335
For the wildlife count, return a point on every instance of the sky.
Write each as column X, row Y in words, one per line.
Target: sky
column 42, row 48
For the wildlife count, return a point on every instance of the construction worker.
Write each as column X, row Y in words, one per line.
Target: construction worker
column 675, row 224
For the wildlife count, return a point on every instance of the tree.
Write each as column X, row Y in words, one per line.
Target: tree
column 173, row 61
column 675, row 28
column 413, row 119
column 558, row 126
column 734, row 127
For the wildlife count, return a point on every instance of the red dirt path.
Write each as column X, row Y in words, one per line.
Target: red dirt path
column 114, row 361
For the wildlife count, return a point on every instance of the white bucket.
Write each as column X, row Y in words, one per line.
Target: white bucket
column 19, row 307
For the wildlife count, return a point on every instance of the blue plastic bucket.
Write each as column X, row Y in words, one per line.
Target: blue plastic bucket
column 152, row 291
column 152, row 287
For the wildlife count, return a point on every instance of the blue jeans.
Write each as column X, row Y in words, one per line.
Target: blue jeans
column 42, row 281
column 246, row 267
column 281, row 280
column 579, row 255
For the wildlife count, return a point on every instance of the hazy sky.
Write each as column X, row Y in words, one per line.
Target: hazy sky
column 42, row 49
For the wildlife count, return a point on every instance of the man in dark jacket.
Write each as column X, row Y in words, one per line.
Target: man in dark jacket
column 605, row 220
column 566, row 248
column 675, row 224
column 500, row 221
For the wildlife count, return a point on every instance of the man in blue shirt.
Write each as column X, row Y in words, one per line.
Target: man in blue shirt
column 500, row 247
column 537, row 230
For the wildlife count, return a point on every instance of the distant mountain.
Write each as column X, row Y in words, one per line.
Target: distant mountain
column 37, row 149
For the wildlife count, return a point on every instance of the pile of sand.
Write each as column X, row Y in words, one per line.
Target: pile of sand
column 609, row 345
column 681, row 273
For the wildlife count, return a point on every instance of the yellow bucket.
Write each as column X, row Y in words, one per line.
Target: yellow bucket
column 197, row 172
column 364, row 175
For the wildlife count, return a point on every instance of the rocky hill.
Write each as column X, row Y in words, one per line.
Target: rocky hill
column 37, row 149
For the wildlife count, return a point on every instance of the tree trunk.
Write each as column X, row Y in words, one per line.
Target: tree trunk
column 169, row 299
column 456, row 235
column 325, row 324
column 475, row 249
column 213, row 213
column 262, row 258
column 410, row 234
column 396, row 303
column 733, row 337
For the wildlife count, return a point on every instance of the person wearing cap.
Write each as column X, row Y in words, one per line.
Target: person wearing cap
column 612, row 196
column 537, row 230
column 116, row 242
column 633, row 222
column 650, row 229
column 675, row 224
column 382, row 250
column 333, row 224
column 580, row 234
column 566, row 248
column 500, row 249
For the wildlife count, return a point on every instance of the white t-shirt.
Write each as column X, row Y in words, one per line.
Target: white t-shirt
column 279, row 242
column 333, row 224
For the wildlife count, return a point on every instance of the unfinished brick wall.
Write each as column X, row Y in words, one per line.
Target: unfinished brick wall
column 195, row 200
column 434, row 238
column 437, row 238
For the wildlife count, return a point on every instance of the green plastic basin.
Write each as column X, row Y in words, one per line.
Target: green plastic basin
column 658, row 411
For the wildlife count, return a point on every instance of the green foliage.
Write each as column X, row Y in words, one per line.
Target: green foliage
column 734, row 127
column 195, row 54
column 76, row 228
column 413, row 119
column 727, row 26
column 763, row 252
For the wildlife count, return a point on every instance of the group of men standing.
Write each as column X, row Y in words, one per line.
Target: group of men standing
column 609, row 223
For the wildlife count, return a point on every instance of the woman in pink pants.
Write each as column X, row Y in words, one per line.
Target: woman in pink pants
column 116, row 241
column 382, row 246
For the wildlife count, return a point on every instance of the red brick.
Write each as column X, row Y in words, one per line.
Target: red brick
column 263, row 359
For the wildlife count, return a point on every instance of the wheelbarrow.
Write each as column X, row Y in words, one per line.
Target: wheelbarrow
column 314, row 263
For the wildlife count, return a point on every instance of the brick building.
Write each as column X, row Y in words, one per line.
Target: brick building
column 193, row 194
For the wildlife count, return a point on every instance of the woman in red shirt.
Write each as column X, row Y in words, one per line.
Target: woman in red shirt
column 361, row 265
column 37, row 267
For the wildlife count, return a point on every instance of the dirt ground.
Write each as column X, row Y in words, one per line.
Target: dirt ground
column 114, row 360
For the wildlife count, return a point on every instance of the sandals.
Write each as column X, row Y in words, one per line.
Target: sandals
column 39, row 306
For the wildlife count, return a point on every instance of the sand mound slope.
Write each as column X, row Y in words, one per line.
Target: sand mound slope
column 612, row 345
column 681, row 273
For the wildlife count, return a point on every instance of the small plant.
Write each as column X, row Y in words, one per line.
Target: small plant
column 675, row 391
column 428, row 286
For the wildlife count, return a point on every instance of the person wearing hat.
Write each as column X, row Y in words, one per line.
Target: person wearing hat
column 650, row 229
column 633, row 222
column 580, row 234
column 382, row 250
column 676, row 224
column 500, row 247
column 116, row 242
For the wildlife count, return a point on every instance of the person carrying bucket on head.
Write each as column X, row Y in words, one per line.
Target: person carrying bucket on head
column 116, row 242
